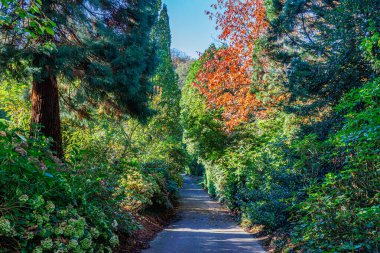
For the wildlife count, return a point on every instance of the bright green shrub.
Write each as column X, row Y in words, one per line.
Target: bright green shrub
column 210, row 179
column 169, row 182
column 255, row 176
column 144, row 174
column 148, row 185
column 13, row 105
column 343, row 213
column 48, row 206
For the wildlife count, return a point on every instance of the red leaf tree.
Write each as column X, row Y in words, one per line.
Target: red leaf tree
column 226, row 77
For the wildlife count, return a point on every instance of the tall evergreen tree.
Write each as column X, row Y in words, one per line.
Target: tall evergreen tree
column 165, row 76
column 104, row 44
column 168, row 95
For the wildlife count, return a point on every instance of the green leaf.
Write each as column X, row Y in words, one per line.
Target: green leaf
column 5, row 3
column 33, row 24
column 49, row 30
column 53, row 24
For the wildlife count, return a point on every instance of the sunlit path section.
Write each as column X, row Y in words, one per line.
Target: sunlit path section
column 203, row 226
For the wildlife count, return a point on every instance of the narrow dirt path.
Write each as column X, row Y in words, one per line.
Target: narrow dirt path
column 202, row 226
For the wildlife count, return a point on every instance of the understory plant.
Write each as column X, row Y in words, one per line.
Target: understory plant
column 80, row 205
column 48, row 205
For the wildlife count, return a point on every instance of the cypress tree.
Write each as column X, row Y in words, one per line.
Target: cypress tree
column 104, row 44
column 166, row 100
column 165, row 74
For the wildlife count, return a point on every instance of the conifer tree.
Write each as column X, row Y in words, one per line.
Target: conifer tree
column 321, row 41
column 105, row 45
column 169, row 95
column 165, row 77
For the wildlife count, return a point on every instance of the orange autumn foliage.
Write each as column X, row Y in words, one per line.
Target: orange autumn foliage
column 225, row 78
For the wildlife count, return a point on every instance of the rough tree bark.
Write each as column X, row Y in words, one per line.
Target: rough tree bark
column 45, row 108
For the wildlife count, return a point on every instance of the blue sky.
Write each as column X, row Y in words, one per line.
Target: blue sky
column 192, row 31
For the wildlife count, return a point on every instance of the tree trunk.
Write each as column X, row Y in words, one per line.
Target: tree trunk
column 45, row 108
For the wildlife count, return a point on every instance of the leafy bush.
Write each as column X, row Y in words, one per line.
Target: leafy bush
column 148, row 185
column 343, row 213
column 48, row 206
column 95, row 191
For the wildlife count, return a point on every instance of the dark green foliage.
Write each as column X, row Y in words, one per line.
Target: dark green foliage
column 108, row 50
column 163, row 31
column 194, row 167
column 105, row 48
column 165, row 77
column 164, row 128
column 321, row 40
column 342, row 213
column 129, row 58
